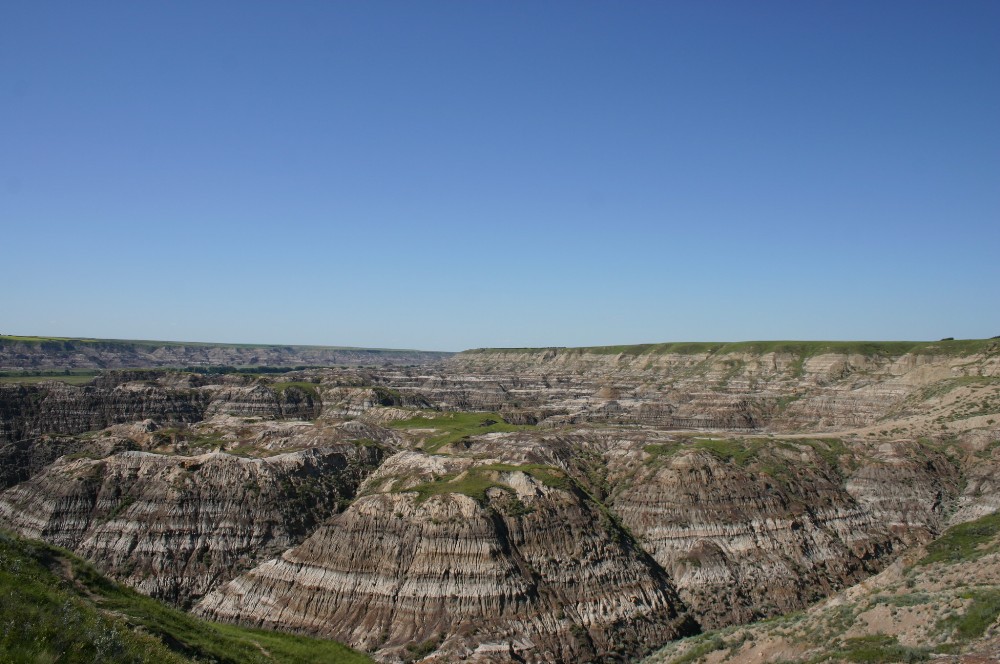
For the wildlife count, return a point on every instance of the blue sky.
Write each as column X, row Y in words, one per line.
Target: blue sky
column 446, row 175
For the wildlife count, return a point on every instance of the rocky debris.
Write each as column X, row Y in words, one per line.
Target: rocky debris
column 176, row 527
column 340, row 402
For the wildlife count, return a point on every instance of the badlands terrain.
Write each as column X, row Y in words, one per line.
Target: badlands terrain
column 768, row 501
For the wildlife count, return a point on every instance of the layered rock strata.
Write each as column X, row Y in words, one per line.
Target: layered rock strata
column 484, row 561
column 176, row 527
column 710, row 388
column 767, row 535
column 28, row 411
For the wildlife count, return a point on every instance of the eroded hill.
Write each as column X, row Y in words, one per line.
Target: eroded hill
column 551, row 505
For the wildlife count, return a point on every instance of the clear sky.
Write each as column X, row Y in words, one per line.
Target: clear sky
column 446, row 175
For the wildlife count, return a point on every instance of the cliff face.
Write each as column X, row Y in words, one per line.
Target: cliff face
column 484, row 560
column 175, row 527
column 21, row 353
column 936, row 602
column 778, row 526
column 800, row 388
column 28, row 411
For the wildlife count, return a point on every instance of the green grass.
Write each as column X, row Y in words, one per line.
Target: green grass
column 452, row 427
column 662, row 451
column 474, row 484
column 69, row 376
column 978, row 615
column 879, row 648
column 708, row 645
column 743, row 451
column 58, row 608
column 943, row 387
column 79, row 379
column 737, row 451
column 964, row 542
column 476, row 481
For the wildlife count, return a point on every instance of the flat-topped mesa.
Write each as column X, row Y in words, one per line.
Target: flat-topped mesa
column 175, row 527
column 776, row 386
column 20, row 353
column 470, row 557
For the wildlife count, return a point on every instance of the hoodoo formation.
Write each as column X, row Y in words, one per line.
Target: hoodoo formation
column 531, row 505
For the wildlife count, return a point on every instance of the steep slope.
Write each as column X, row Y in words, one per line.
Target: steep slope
column 175, row 527
column 471, row 557
column 778, row 386
column 941, row 601
column 57, row 608
column 750, row 527
column 29, row 411
column 769, row 526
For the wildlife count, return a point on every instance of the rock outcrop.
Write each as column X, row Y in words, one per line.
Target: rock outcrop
column 598, row 502
column 484, row 560
column 772, row 386
column 175, row 527
column 777, row 526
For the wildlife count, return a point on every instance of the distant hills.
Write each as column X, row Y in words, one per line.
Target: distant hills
column 57, row 353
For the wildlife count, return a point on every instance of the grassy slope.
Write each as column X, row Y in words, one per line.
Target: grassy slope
column 57, row 608
column 74, row 379
column 451, row 427
column 804, row 348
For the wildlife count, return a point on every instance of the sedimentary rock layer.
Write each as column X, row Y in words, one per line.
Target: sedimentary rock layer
column 778, row 387
column 176, row 527
column 517, row 567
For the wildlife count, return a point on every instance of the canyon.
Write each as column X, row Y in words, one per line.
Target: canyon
column 532, row 505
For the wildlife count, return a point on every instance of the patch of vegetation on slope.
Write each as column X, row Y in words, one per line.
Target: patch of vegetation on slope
column 477, row 480
column 965, row 542
column 445, row 428
column 68, row 376
column 58, row 608
column 746, row 452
